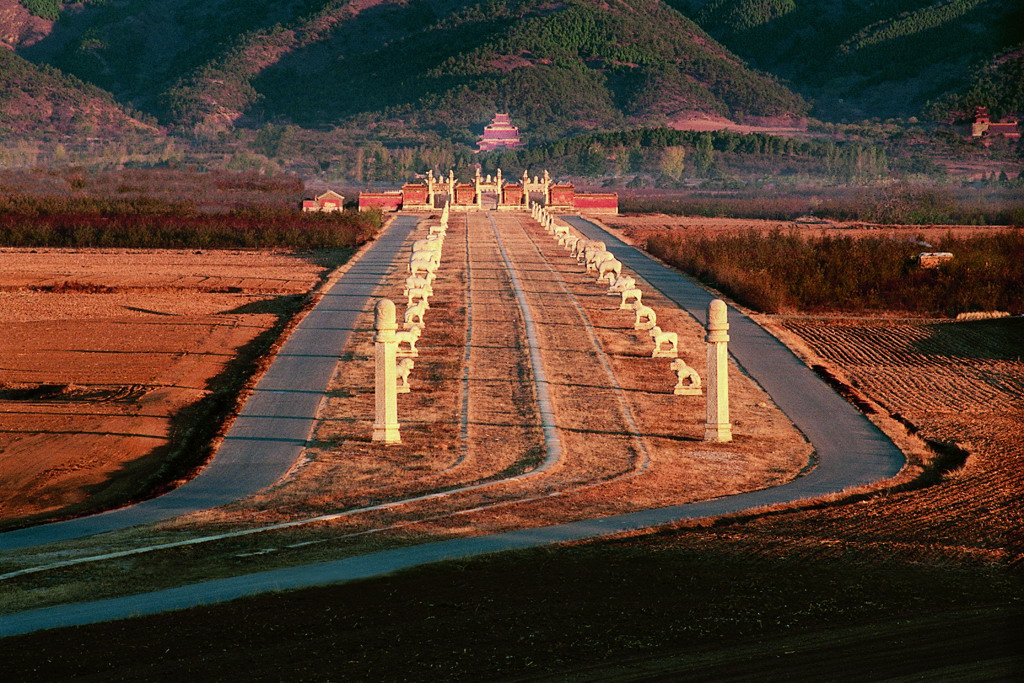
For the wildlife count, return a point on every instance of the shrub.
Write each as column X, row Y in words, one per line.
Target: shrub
column 780, row 271
column 61, row 222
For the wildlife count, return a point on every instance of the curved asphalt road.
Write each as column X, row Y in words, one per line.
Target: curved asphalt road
column 275, row 422
column 851, row 452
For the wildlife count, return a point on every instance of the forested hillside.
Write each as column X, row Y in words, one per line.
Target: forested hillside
column 410, row 66
column 40, row 101
column 997, row 84
column 869, row 58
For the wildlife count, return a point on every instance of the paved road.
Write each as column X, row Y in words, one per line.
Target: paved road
column 851, row 452
column 276, row 420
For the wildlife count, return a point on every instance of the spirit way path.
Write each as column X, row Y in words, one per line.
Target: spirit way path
column 275, row 422
column 850, row 449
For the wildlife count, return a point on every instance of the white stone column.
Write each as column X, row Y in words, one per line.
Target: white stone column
column 385, row 426
column 717, row 426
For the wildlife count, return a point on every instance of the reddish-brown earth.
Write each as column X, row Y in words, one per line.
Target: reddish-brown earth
column 107, row 356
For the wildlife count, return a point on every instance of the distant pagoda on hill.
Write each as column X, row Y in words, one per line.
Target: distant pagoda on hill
column 499, row 133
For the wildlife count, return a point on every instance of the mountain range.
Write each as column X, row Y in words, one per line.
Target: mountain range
column 443, row 67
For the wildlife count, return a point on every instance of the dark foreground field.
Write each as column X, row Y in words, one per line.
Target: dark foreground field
column 687, row 605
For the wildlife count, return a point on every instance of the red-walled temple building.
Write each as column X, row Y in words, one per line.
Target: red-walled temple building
column 985, row 128
column 416, row 196
column 499, row 133
column 561, row 197
column 465, row 194
column 511, row 196
column 328, row 201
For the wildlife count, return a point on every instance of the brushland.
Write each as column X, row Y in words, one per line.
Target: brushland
column 784, row 271
column 892, row 58
column 32, row 222
column 897, row 204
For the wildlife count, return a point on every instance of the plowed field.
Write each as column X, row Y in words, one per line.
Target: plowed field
column 109, row 360
column 959, row 386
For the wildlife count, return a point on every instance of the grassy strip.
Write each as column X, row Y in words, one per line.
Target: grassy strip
column 781, row 271
column 535, row 612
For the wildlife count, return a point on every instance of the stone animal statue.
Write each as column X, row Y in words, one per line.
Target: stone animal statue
column 419, row 282
column 402, row 370
column 661, row 338
column 580, row 248
column 594, row 247
column 408, row 337
column 621, row 284
column 418, row 293
column 597, row 259
column 423, row 263
column 633, row 293
column 427, row 245
column 646, row 318
column 414, row 316
column 609, row 269
column 687, row 379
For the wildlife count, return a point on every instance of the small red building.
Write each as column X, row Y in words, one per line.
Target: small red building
column 984, row 128
column 328, row 201
column 385, row 201
column 597, row 202
column 465, row 194
column 562, row 196
column 511, row 196
column 415, row 195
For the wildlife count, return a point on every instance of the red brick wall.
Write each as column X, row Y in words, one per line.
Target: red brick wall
column 597, row 202
column 414, row 193
column 465, row 194
column 389, row 201
column 562, row 195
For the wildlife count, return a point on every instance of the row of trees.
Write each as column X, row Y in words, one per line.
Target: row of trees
column 673, row 154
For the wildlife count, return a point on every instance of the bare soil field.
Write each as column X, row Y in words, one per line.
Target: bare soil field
column 772, row 125
column 110, row 361
column 957, row 385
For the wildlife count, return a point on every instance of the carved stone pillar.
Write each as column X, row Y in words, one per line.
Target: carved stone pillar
column 385, row 426
column 717, row 427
